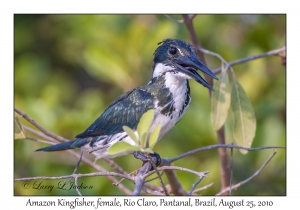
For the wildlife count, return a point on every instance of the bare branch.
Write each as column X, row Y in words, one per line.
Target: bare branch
column 223, row 146
column 248, row 179
column 158, row 174
column 37, row 140
column 76, row 184
column 199, row 174
column 175, row 186
column 223, row 158
column 195, row 185
column 175, row 20
column 39, row 134
column 203, row 188
column 231, row 169
column 139, row 179
column 253, row 57
column 189, row 25
column 33, row 122
column 125, row 176
column 153, row 192
column 115, row 166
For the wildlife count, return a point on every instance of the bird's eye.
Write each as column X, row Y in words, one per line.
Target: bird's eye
column 172, row 50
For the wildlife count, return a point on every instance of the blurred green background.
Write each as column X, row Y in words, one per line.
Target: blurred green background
column 69, row 68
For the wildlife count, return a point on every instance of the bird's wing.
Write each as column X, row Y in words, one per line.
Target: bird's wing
column 125, row 110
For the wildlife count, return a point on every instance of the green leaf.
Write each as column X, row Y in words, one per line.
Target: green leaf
column 121, row 147
column 145, row 123
column 143, row 140
column 19, row 132
column 154, row 136
column 131, row 134
column 244, row 122
column 220, row 100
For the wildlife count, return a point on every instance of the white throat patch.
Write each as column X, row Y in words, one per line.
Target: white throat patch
column 161, row 68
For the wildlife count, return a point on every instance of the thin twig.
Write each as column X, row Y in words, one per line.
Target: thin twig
column 218, row 146
column 39, row 134
column 195, row 185
column 203, row 188
column 33, row 122
column 174, row 186
column 76, row 185
column 77, row 165
column 139, row 179
column 153, row 192
column 150, row 180
column 37, row 140
column 248, row 179
column 158, row 174
column 253, row 57
column 76, row 175
column 199, row 174
column 175, row 20
column 153, row 187
column 231, row 169
column 115, row 166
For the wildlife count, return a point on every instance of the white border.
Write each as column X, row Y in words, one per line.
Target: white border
column 8, row 8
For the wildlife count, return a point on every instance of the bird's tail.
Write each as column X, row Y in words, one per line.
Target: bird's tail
column 65, row 145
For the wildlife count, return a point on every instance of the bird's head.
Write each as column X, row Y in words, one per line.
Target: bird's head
column 180, row 58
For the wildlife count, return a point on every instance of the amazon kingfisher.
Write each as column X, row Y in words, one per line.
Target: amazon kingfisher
column 168, row 93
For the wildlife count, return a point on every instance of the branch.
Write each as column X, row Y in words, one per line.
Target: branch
column 195, row 185
column 203, row 188
column 188, row 20
column 39, row 134
column 48, row 133
column 247, row 180
column 153, row 164
column 115, row 166
column 253, row 57
column 220, row 146
column 125, row 176
column 231, row 169
column 175, row 20
column 199, row 174
column 139, row 179
column 174, row 185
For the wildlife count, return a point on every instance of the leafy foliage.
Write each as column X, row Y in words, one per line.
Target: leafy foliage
column 243, row 116
column 220, row 100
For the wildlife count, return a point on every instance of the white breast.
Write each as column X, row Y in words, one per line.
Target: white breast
column 177, row 85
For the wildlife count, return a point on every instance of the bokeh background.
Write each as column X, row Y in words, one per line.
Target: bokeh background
column 69, row 68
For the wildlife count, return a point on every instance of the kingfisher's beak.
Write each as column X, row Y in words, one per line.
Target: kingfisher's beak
column 189, row 65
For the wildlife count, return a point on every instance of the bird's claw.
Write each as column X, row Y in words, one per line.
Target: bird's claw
column 156, row 159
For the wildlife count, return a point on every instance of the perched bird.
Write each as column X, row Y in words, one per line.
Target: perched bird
column 168, row 93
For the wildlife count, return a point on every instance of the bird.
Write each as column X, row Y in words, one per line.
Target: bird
column 168, row 93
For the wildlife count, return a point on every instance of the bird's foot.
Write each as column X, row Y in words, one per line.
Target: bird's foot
column 155, row 157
